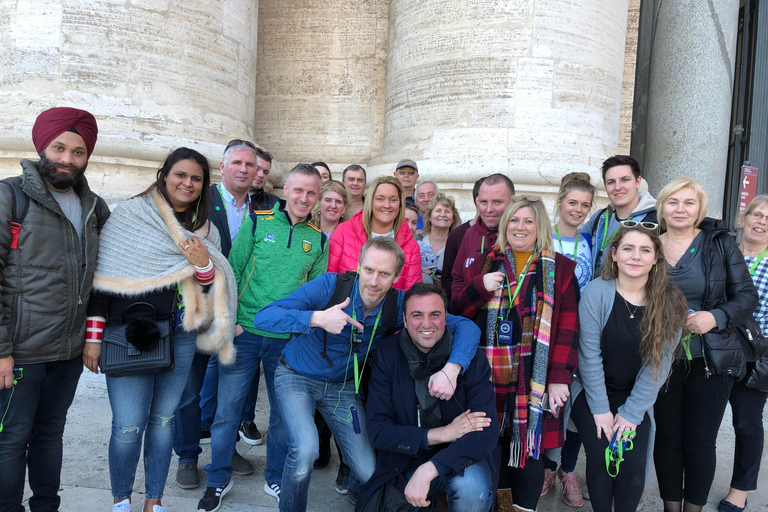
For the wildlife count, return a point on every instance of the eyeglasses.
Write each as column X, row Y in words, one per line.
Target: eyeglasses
column 758, row 216
column 530, row 199
column 403, row 172
column 650, row 226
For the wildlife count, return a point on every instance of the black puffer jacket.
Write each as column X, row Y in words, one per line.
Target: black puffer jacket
column 46, row 282
column 729, row 288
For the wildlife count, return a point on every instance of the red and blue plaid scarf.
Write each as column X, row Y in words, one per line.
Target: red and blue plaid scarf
column 519, row 370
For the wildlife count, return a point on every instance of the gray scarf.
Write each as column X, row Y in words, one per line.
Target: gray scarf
column 139, row 253
column 421, row 367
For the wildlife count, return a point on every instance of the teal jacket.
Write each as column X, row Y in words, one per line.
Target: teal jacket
column 274, row 259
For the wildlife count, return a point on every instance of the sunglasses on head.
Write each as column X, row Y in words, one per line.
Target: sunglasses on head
column 530, row 199
column 650, row 226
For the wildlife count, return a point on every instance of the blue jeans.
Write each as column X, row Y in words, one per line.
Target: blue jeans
column 210, row 389
column 234, row 383
column 298, row 397
column 144, row 406
column 33, row 414
column 472, row 492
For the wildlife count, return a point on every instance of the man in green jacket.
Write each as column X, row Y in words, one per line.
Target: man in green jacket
column 47, row 260
column 275, row 252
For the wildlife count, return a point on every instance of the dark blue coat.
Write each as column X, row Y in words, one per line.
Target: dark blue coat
column 391, row 412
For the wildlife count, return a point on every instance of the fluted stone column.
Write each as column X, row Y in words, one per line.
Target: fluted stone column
column 530, row 88
column 690, row 92
column 157, row 74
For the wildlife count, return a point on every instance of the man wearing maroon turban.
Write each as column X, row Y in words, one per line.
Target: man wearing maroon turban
column 47, row 260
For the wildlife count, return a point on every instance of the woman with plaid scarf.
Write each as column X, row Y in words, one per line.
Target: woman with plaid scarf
column 523, row 297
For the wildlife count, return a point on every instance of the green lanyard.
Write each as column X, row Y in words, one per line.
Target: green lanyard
column 757, row 262
column 482, row 244
column 607, row 240
column 560, row 241
column 520, row 279
column 685, row 342
column 358, row 374
column 224, row 203
column 613, row 458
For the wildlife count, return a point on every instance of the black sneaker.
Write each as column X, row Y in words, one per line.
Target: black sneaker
column 211, row 501
column 250, row 434
column 205, row 436
column 273, row 490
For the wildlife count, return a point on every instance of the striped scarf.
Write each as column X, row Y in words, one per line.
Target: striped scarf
column 519, row 371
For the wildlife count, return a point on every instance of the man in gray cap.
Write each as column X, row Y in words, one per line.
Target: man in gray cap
column 408, row 173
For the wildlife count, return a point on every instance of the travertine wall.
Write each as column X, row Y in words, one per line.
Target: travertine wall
column 157, row 74
column 320, row 83
column 531, row 88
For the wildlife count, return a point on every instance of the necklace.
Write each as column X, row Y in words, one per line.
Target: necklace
column 631, row 313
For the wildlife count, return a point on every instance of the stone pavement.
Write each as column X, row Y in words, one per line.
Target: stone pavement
column 85, row 475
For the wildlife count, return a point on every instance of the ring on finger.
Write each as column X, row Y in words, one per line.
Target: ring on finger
column 186, row 247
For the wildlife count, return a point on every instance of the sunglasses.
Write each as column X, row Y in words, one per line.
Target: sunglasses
column 238, row 142
column 530, row 199
column 650, row 226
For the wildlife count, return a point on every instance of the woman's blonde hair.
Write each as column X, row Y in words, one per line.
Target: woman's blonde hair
column 752, row 206
column 543, row 229
column 440, row 199
column 666, row 308
column 580, row 181
column 675, row 185
column 368, row 205
column 338, row 187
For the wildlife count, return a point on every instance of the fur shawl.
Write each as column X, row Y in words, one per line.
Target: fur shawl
column 138, row 253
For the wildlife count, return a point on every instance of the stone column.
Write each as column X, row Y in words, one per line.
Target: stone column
column 320, row 93
column 690, row 92
column 530, row 88
column 157, row 74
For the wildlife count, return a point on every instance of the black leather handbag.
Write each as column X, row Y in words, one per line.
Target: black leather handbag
column 140, row 346
column 753, row 342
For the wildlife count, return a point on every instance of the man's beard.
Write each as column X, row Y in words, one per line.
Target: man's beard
column 61, row 180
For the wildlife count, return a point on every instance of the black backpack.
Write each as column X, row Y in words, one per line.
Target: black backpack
column 21, row 207
column 389, row 312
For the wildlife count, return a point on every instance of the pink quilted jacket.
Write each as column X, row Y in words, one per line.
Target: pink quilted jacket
column 348, row 238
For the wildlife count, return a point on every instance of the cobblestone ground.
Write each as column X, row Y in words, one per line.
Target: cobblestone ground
column 85, row 475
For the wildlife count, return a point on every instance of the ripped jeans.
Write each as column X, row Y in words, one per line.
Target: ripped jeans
column 143, row 406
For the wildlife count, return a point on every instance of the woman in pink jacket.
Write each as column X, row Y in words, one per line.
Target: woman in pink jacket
column 382, row 215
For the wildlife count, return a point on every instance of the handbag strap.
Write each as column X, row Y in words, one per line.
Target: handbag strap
column 139, row 304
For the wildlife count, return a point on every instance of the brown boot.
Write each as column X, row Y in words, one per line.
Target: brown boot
column 504, row 500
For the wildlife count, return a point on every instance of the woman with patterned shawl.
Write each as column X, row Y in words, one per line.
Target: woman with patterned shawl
column 523, row 296
column 159, row 251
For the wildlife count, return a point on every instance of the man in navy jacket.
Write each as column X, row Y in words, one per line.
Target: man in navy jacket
column 432, row 444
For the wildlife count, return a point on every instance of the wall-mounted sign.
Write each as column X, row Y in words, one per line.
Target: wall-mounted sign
column 748, row 186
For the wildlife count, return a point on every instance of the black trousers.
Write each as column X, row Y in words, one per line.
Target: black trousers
column 525, row 482
column 688, row 414
column 747, row 405
column 35, row 412
column 623, row 493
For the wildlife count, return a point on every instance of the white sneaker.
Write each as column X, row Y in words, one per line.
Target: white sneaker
column 273, row 490
column 158, row 508
column 123, row 506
